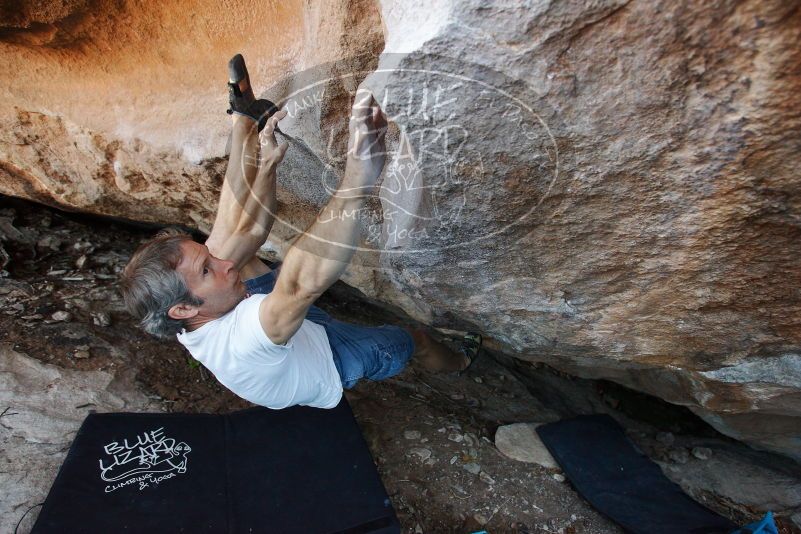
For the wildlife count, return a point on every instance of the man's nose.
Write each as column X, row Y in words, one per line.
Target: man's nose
column 227, row 265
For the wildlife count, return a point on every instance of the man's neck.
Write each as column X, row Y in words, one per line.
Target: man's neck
column 193, row 323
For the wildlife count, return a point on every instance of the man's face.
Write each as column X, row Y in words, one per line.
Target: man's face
column 211, row 279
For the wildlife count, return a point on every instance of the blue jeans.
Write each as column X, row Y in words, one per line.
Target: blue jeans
column 359, row 352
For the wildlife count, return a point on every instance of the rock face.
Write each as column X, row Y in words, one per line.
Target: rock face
column 117, row 110
column 609, row 187
column 44, row 406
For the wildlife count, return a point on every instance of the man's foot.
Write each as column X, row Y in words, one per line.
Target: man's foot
column 471, row 346
column 240, row 92
column 437, row 357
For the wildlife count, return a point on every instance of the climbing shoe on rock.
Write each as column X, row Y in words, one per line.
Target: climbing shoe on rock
column 471, row 347
column 240, row 94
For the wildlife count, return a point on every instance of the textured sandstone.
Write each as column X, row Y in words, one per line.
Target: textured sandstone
column 636, row 219
column 44, row 406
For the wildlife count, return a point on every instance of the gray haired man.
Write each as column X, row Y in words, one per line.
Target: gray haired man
column 254, row 328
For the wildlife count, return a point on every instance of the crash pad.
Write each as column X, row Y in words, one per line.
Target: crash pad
column 258, row 470
column 622, row 483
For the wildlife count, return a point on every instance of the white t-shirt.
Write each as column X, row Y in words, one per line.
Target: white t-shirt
column 235, row 348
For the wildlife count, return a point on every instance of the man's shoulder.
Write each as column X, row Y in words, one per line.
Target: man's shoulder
column 245, row 315
column 239, row 316
column 253, row 300
column 247, row 319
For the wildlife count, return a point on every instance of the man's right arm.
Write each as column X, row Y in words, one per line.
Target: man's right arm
column 319, row 257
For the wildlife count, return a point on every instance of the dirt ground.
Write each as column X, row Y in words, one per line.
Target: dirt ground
column 431, row 435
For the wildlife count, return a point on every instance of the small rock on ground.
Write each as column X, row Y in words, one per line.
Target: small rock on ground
column 472, row 467
column 680, row 456
column 411, row 434
column 61, row 315
column 422, row 453
column 520, row 441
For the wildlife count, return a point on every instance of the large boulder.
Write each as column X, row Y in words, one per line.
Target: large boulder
column 609, row 187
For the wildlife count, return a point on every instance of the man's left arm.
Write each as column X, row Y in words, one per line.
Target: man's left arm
column 246, row 212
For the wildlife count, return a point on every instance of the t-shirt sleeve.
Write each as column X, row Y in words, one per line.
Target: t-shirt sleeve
column 250, row 338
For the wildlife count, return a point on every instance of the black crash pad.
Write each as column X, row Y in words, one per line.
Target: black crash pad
column 258, row 470
column 621, row 482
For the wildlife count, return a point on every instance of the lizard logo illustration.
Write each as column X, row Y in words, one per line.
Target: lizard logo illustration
column 149, row 458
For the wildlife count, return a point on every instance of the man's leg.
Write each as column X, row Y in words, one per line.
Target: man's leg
column 239, row 178
column 247, row 204
column 243, row 162
column 372, row 352
column 380, row 352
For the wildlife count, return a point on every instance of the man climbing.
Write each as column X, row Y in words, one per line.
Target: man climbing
column 255, row 328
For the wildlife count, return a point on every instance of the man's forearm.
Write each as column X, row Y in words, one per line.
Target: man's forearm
column 246, row 211
column 244, row 219
column 319, row 257
column 259, row 213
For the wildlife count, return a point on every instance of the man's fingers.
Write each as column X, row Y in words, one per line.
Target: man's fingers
column 277, row 117
column 367, row 115
column 362, row 105
column 368, row 126
column 270, row 149
column 272, row 123
column 267, row 136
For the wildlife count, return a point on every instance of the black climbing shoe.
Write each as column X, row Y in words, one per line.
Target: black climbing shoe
column 238, row 100
column 471, row 347
column 244, row 102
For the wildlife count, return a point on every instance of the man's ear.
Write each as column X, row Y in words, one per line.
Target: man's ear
column 182, row 311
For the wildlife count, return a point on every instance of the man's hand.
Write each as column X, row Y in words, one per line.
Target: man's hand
column 272, row 153
column 366, row 145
